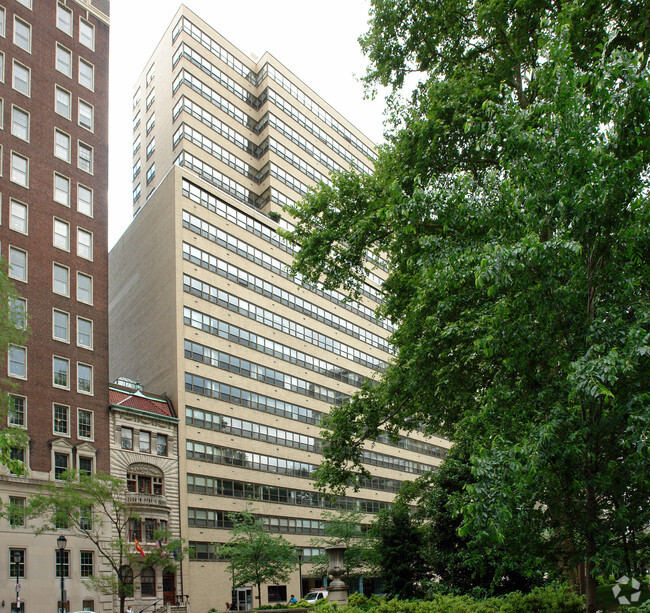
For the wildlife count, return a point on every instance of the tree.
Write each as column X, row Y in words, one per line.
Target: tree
column 97, row 507
column 510, row 204
column 256, row 556
column 345, row 529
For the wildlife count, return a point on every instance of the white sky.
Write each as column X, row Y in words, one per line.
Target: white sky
column 316, row 40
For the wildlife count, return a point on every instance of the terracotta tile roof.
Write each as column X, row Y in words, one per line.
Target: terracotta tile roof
column 135, row 399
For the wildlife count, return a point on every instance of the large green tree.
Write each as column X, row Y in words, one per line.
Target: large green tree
column 510, row 203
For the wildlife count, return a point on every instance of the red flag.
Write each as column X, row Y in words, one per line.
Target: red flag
column 138, row 547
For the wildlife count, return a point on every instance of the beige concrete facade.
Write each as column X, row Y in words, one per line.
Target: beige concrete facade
column 202, row 305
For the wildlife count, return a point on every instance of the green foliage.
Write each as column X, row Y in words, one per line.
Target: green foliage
column 255, row 555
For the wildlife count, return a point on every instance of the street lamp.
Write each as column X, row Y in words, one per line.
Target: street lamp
column 17, row 559
column 300, row 552
column 61, row 543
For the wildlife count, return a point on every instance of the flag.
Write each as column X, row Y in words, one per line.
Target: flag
column 138, row 548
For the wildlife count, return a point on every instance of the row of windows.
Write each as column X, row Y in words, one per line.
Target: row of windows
column 297, row 162
column 261, row 286
column 147, row 530
column 61, row 419
column 270, row 376
column 144, row 441
column 63, row 151
column 64, row 22
column 269, row 318
column 64, row 62
column 246, row 222
column 289, row 180
column 18, row 563
column 203, row 550
column 213, row 486
column 243, row 337
column 62, row 194
column 63, row 462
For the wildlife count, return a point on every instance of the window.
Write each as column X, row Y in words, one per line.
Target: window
column 150, row 530
column 62, row 145
column 144, row 484
column 85, row 115
column 17, row 264
column 60, row 280
column 84, row 378
column 18, row 312
column 148, row 582
column 19, row 123
column 18, row 216
column 86, row 517
column 64, row 19
column 64, row 60
column 2, row 67
column 61, row 326
column 61, row 189
column 136, row 97
column 16, row 511
column 84, row 333
column 60, row 466
column 277, row 593
column 61, row 234
column 84, row 288
column 136, row 192
column 161, row 444
column 136, row 144
column 145, row 442
column 84, row 244
column 86, row 563
column 22, row 34
column 151, row 173
column 151, row 73
column 60, row 372
column 87, row 34
column 136, row 168
column 21, row 78
column 17, row 411
column 27, row 3
column 86, row 74
column 17, row 362
column 150, row 98
column 62, row 104
column 2, row 21
column 85, row 465
column 16, row 563
column 61, row 417
column 19, row 169
column 136, row 121
column 61, row 519
column 62, row 564
column 85, row 157
column 127, row 438
column 84, row 424
column 135, row 530
column 85, row 200
column 151, row 122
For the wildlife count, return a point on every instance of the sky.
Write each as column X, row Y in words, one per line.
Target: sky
column 317, row 41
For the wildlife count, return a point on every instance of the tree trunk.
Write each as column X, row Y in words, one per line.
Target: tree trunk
column 590, row 580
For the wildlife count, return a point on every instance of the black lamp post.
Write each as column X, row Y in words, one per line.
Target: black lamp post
column 300, row 552
column 17, row 559
column 61, row 543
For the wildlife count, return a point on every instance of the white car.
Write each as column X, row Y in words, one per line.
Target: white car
column 316, row 595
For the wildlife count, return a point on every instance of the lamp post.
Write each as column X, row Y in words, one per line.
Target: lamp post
column 300, row 552
column 61, row 543
column 17, row 558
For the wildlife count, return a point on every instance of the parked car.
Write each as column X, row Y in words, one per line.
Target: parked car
column 316, row 595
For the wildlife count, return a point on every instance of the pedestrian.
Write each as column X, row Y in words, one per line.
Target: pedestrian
column 292, row 600
column 129, row 609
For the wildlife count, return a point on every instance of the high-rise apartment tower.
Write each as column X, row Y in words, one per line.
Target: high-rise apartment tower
column 53, row 234
column 203, row 305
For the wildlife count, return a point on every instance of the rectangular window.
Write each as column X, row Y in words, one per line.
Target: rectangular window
column 85, row 465
column 84, row 288
column 151, row 73
column 86, row 74
column 84, row 244
column 17, row 264
column 61, row 234
column 84, row 378
column 20, row 123
column 86, row 564
column 17, row 362
column 86, row 519
column 64, row 19
column 161, row 444
column 17, row 411
column 151, row 122
column 64, row 60
column 84, row 333
column 22, row 34
column 16, row 563
column 136, row 144
column 136, row 168
column 21, row 78
column 60, row 279
column 62, row 562
column 85, row 157
column 127, row 438
column 87, row 34
column 60, row 465
column 27, row 3
column 61, row 189
column 151, row 173
column 84, row 424
column 62, row 102
column 136, row 192
column 60, row 372
column 86, row 115
column 62, row 145
column 16, row 511
column 61, row 417
column 61, row 326
column 2, row 21
column 85, row 200
column 136, row 121
column 18, row 216
column 19, row 169
column 18, row 312
column 145, row 442
column 277, row 593
column 150, row 98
